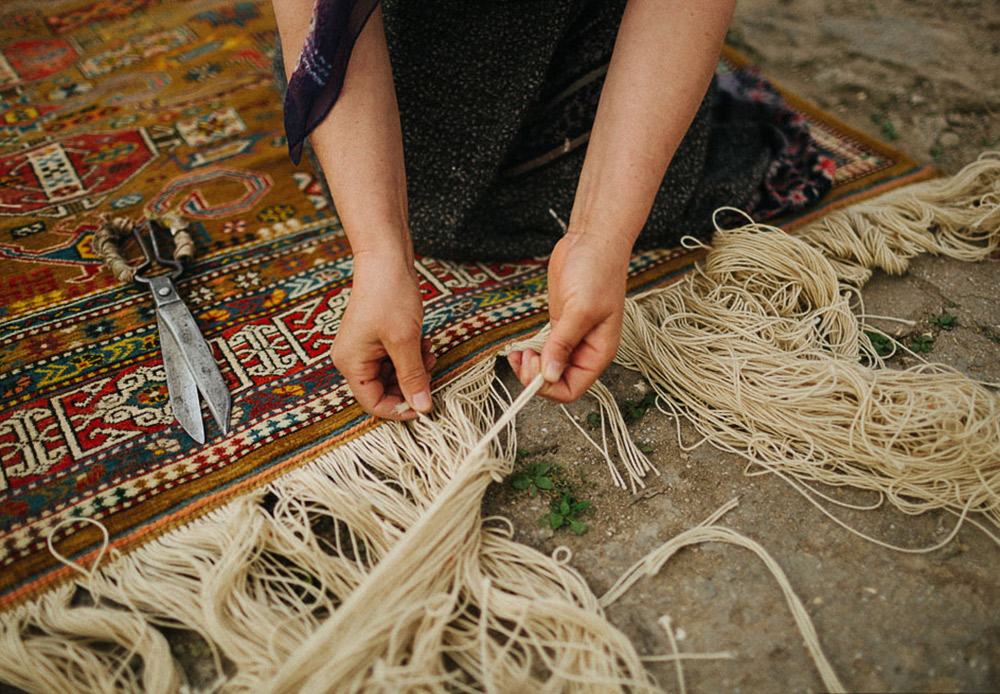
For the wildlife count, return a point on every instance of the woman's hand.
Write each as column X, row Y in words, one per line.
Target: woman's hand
column 586, row 301
column 359, row 144
column 378, row 347
column 663, row 61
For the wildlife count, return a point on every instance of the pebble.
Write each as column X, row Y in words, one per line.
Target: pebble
column 957, row 118
column 949, row 139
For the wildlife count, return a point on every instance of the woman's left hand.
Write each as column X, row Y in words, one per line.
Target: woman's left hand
column 651, row 94
column 586, row 302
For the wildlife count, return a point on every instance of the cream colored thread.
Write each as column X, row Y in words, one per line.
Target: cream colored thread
column 759, row 348
column 664, row 623
column 707, row 531
column 92, row 571
column 671, row 657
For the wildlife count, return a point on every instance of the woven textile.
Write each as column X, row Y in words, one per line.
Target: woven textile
column 132, row 106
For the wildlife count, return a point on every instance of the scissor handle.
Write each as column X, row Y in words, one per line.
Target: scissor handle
column 176, row 268
column 111, row 231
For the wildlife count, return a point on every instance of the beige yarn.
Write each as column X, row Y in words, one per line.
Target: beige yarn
column 760, row 350
column 372, row 570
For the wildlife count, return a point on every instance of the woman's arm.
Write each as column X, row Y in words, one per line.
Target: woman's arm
column 663, row 61
column 378, row 347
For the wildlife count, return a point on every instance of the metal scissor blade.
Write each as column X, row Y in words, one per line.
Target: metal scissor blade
column 199, row 360
column 180, row 384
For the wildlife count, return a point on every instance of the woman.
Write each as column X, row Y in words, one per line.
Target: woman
column 492, row 102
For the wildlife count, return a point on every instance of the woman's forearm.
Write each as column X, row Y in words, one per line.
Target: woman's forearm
column 378, row 347
column 663, row 61
column 359, row 143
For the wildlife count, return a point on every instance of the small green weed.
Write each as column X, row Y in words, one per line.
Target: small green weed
column 634, row 411
column 883, row 344
column 565, row 512
column 945, row 321
column 936, row 152
column 889, row 131
column 922, row 343
column 594, row 420
column 533, row 478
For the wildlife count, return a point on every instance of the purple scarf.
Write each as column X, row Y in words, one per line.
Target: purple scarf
column 318, row 77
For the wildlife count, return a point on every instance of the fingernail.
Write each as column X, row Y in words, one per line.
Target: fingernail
column 553, row 370
column 422, row 401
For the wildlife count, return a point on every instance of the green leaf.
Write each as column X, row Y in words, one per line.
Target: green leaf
column 533, row 490
column 946, row 321
column 923, row 343
column 889, row 131
column 580, row 506
column 564, row 507
column 577, row 527
column 637, row 410
column 554, row 520
column 520, row 481
column 884, row 346
column 645, row 448
column 633, row 410
column 544, row 483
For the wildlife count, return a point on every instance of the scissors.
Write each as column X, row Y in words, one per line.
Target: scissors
column 187, row 358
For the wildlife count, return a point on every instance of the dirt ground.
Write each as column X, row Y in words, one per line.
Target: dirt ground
column 925, row 75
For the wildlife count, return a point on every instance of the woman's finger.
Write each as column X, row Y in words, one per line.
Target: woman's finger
column 414, row 381
column 514, row 359
column 567, row 334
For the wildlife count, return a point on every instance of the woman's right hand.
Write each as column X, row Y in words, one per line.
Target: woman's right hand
column 378, row 347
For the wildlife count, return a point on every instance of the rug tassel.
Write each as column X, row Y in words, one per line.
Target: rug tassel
column 376, row 550
column 761, row 351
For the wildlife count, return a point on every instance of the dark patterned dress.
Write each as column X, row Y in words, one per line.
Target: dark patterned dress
column 497, row 99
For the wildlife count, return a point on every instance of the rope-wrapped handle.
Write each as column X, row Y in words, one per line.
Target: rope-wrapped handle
column 109, row 235
column 183, row 243
column 106, row 245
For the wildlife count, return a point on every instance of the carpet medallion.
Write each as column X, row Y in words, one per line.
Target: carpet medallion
column 132, row 107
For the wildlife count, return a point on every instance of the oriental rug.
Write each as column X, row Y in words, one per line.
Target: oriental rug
column 139, row 106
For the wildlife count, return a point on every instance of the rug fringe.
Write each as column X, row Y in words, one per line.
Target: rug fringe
column 375, row 552
column 760, row 349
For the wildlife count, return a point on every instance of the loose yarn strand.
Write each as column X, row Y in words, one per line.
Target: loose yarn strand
column 708, row 531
